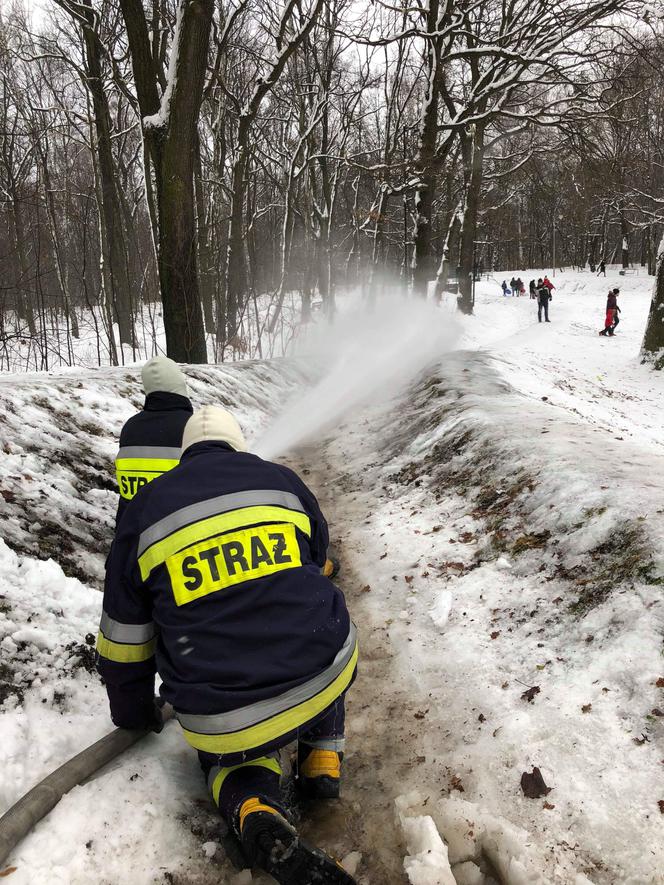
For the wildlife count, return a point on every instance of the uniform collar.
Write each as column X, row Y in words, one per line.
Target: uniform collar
column 207, row 447
column 161, row 401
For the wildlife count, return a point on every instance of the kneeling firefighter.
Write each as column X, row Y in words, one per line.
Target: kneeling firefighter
column 150, row 441
column 214, row 580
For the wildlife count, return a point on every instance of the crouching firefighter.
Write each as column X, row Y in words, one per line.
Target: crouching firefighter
column 151, row 440
column 214, row 581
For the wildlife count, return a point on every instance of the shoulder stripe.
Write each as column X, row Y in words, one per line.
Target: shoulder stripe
column 212, row 507
column 166, row 453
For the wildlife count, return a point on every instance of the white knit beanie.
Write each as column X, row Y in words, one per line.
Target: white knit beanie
column 213, row 423
column 162, row 374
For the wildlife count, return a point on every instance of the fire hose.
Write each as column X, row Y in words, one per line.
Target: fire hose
column 16, row 823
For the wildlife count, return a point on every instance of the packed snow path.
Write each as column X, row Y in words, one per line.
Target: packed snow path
column 500, row 531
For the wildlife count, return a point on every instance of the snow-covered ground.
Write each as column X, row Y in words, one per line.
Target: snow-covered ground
column 501, row 534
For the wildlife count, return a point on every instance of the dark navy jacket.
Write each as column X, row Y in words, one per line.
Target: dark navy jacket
column 214, row 580
column 150, row 443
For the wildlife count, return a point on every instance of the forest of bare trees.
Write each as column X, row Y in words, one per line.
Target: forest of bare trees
column 192, row 165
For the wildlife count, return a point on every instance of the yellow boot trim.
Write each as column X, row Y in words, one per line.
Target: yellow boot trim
column 321, row 763
column 249, row 806
column 264, row 762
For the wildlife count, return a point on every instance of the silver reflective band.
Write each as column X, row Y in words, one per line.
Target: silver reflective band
column 128, row 634
column 166, row 453
column 336, row 744
column 212, row 507
column 245, row 717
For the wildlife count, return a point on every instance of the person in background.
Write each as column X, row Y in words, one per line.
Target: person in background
column 214, row 582
column 547, row 282
column 543, row 298
column 519, row 287
column 611, row 319
column 505, row 288
column 532, row 285
column 151, row 440
column 602, row 268
column 513, row 286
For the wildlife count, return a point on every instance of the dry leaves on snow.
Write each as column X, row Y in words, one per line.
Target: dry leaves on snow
column 533, row 785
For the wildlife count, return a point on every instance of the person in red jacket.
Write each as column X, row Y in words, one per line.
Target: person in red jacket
column 547, row 282
column 612, row 310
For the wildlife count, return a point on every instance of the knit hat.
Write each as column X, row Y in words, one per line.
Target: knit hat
column 163, row 375
column 213, row 423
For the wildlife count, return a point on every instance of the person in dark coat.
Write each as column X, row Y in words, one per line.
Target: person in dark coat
column 543, row 298
column 602, row 268
column 214, row 581
column 532, row 286
column 611, row 319
column 150, row 441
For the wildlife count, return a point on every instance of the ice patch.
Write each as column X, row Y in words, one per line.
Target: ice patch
column 427, row 862
column 441, row 610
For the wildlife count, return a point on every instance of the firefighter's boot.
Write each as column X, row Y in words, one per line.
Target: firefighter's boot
column 319, row 773
column 272, row 844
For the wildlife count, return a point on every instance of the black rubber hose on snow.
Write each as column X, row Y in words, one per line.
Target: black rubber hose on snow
column 16, row 823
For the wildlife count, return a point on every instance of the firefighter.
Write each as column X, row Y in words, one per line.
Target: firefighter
column 151, row 440
column 214, row 581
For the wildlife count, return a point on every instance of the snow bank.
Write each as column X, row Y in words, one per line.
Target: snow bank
column 57, row 504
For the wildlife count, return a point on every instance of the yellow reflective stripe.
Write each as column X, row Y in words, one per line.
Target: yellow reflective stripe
column 134, row 473
column 125, row 654
column 276, row 726
column 249, row 806
column 264, row 762
column 146, row 465
column 217, row 525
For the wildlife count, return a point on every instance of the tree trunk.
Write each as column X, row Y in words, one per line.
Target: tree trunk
column 425, row 161
column 170, row 133
column 652, row 349
column 114, row 242
column 448, row 247
column 624, row 234
column 474, row 161
column 236, row 267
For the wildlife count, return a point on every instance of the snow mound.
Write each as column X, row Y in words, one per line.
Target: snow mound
column 427, row 860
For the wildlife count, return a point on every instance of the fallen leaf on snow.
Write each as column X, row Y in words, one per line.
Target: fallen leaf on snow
column 661, row 805
column 7, row 872
column 456, row 783
column 529, row 695
column 495, row 634
column 642, row 740
column 366, row 588
column 533, row 785
column 660, row 682
column 586, row 708
column 548, row 806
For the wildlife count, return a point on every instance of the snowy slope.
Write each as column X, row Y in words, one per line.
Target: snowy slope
column 507, row 524
column 59, row 437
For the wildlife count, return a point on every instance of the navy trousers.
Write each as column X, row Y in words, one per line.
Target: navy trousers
column 257, row 773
